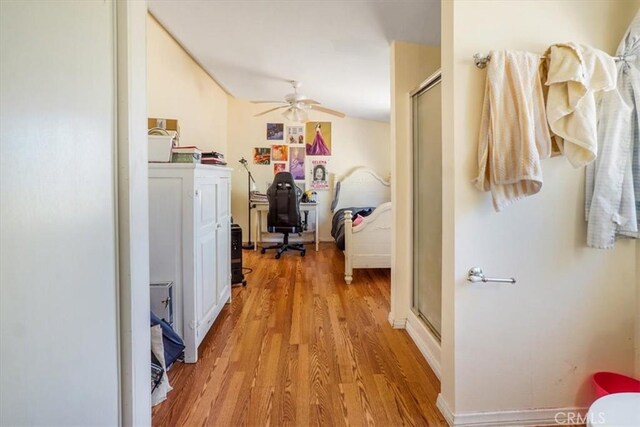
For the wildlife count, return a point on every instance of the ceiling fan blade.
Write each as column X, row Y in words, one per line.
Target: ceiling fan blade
column 310, row 102
column 273, row 109
column 268, row 102
column 328, row 111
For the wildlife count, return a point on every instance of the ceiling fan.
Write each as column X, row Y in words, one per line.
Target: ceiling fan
column 296, row 106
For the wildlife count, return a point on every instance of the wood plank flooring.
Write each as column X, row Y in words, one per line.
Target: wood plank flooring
column 299, row 347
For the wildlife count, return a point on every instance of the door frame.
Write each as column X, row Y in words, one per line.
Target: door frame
column 430, row 82
column 132, row 212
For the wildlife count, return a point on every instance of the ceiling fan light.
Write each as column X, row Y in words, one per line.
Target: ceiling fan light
column 295, row 115
column 288, row 114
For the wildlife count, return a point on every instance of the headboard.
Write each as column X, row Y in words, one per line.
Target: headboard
column 360, row 187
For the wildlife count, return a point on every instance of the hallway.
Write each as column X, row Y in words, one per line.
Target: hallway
column 299, row 347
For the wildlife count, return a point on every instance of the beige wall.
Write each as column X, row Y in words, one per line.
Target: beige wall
column 179, row 88
column 355, row 142
column 536, row 343
column 411, row 64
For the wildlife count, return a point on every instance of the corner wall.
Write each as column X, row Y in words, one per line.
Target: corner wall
column 178, row 88
column 411, row 64
column 534, row 344
column 355, row 142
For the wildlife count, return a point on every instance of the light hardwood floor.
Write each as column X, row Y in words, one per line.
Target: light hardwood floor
column 299, row 347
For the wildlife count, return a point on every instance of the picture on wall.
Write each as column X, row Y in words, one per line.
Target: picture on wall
column 319, row 175
column 275, row 131
column 318, row 138
column 262, row 155
column 296, row 162
column 279, row 153
column 279, row 167
column 295, row 134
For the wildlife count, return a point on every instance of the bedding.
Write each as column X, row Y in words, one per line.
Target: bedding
column 337, row 224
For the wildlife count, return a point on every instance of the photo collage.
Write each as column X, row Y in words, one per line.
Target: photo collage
column 301, row 150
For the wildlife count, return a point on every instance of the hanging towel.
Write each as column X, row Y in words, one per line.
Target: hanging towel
column 612, row 185
column 575, row 74
column 513, row 131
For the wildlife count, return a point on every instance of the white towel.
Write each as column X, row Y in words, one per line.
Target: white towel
column 612, row 186
column 513, row 130
column 575, row 74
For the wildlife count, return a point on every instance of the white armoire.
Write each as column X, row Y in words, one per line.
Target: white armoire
column 189, row 243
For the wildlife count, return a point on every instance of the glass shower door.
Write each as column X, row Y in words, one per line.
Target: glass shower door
column 427, row 204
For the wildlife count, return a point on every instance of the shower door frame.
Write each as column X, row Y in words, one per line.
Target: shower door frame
column 431, row 81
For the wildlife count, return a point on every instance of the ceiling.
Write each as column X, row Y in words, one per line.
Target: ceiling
column 339, row 50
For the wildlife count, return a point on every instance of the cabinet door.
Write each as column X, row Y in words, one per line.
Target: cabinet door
column 206, row 236
column 224, row 240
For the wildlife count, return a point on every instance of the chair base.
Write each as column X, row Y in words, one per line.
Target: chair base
column 285, row 246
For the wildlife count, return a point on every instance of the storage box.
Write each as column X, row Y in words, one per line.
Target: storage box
column 166, row 124
column 160, row 148
column 162, row 301
column 186, row 155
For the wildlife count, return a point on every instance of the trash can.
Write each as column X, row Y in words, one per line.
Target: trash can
column 609, row 383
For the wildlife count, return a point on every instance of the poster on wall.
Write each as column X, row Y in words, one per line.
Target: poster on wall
column 275, row 131
column 262, row 155
column 319, row 174
column 318, row 138
column 295, row 134
column 279, row 167
column 296, row 162
column 279, row 153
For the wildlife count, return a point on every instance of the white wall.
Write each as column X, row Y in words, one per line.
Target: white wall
column 533, row 344
column 355, row 142
column 58, row 292
column 178, row 88
column 411, row 64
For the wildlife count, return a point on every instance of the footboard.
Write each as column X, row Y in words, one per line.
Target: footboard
column 368, row 244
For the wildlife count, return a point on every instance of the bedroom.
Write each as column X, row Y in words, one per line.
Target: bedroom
column 78, row 84
column 360, row 158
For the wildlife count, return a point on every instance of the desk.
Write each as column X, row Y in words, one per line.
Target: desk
column 260, row 207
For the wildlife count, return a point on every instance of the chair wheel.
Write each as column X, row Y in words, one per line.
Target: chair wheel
column 303, row 253
column 278, row 256
column 263, row 251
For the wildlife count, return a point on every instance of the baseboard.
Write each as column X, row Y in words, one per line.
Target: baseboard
column 526, row 417
column 397, row 323
column 424, row 340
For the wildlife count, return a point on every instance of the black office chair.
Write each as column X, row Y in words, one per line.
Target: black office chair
column 284, row 213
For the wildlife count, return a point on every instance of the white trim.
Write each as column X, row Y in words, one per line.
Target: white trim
column 397, row 323
column 525, row 417
column 444, row 410
column 133, row 213
column 425, row 341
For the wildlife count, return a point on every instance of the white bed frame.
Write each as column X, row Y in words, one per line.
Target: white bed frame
column 367, row 245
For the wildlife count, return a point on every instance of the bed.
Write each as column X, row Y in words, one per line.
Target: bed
column 367, row 244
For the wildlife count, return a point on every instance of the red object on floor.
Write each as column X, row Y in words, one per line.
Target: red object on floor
column 609, row 383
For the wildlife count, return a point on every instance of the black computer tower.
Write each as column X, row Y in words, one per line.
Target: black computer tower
column 237, row 276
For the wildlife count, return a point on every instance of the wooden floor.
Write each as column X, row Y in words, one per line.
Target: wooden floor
column 298, row 347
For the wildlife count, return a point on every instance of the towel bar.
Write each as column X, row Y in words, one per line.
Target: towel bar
column 476, row 275
column 482, row 60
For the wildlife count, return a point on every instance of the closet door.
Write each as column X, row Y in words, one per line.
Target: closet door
column 427, row 205
column 206, row 197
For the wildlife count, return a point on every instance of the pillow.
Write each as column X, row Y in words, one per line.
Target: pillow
column 358, row 220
